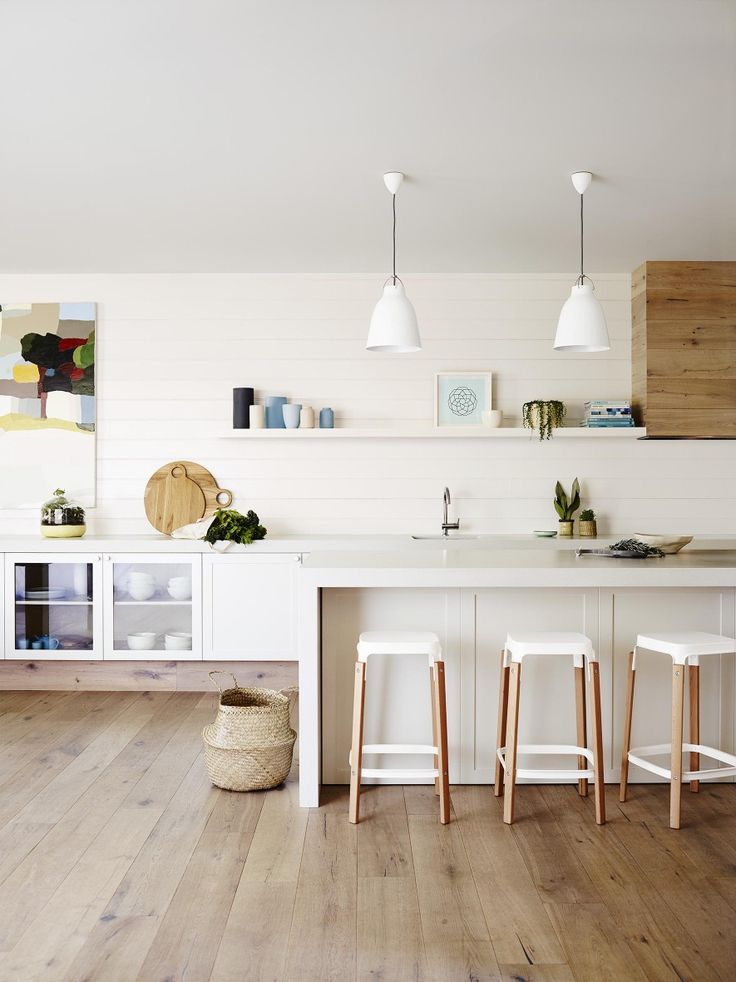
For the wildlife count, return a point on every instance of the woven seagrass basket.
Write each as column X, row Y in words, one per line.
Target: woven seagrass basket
column 250, row 745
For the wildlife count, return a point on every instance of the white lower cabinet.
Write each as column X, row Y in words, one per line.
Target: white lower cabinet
column 250, row 605
column 53, row 606
column 153, row 606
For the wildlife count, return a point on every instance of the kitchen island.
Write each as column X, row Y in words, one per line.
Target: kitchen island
column 471, row 595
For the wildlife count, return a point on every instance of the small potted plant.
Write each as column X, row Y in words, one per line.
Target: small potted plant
column 543, row 415
column 566, row 507
column 587, row 525
column 62, row 518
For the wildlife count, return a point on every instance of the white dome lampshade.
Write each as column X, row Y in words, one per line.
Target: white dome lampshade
column 394, row 323
column 582, row 323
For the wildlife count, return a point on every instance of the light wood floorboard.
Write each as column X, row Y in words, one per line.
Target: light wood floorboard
column 119, row 862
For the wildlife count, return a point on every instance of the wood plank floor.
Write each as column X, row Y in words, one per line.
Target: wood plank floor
column 120, row 862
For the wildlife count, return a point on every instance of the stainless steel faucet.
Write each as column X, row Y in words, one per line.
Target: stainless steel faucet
column 448, row 526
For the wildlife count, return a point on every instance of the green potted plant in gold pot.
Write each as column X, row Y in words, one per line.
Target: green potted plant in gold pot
column 587, row 526
column 567, row 506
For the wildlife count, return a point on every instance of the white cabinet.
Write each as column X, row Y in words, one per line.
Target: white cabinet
column 153, row 606
column 53, row 606
column 250, row 607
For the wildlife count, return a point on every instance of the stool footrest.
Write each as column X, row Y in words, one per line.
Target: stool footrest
column 638, row 754
column 406, row 774
column 398, row 748
column 562, row 749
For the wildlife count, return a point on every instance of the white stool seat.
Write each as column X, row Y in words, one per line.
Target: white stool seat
column 684, row 646
column 399, row 643
column 550, row 643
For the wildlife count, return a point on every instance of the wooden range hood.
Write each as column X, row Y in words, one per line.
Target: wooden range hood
column 683, row 349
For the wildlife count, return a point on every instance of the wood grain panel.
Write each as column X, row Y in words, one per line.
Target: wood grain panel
column 141, row 676
column 683, row 353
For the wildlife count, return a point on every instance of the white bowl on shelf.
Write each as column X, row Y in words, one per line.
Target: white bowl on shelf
column 178, row 641
column 141, row 591
column 180, row 588
column 141, row 641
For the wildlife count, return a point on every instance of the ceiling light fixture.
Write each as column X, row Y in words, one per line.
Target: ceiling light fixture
column 582, row 324
column 394, row 321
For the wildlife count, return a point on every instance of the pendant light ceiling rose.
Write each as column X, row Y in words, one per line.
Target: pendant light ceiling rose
column 393, row 181
column 581, row 180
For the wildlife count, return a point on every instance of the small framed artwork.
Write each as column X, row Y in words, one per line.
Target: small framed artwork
column 461, row 397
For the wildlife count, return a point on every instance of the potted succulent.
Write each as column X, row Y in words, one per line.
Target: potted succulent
column 587, row 526
column 543, row 415
column 62, row 518
column 566, row 507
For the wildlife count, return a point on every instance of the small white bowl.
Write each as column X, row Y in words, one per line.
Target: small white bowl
column 492, row 417
column 141, row 641
column 178, row 641
column 180, row 588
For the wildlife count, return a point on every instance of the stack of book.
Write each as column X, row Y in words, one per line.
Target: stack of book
column 607, row 413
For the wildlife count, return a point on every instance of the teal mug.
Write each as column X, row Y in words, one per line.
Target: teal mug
column 47, row 641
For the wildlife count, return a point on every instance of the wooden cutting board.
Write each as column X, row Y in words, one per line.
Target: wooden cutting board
column 182, row 492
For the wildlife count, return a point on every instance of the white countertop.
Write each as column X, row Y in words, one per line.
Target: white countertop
column 355, row 544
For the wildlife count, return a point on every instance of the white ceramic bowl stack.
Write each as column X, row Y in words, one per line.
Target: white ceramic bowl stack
column 178, row 641
column 142, row 640
column 180, row 588
column 141, row 586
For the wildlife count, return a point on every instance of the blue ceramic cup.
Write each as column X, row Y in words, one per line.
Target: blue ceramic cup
column 274, row 412
column 326, row 418
column 36, row 645
column 21, row 643
column 292, row 412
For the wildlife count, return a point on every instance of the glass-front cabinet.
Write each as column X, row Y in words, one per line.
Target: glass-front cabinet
column 153, row 606
column 54, row 608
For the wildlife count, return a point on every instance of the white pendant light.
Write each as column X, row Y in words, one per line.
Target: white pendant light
column 582, row 324
column 394, row 321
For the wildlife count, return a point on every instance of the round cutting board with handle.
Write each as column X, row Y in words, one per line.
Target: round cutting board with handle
column 182, row 492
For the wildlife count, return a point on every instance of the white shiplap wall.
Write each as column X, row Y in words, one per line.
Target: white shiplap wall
column 171, row 347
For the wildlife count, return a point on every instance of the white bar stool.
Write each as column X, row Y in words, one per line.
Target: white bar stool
column 548, row 643
column 401, row 643
column 685, row 649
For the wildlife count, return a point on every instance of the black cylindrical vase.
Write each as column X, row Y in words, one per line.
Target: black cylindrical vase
column 242, row 401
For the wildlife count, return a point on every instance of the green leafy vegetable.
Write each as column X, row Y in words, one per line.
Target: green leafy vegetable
column 230, row 524
column 636, row 545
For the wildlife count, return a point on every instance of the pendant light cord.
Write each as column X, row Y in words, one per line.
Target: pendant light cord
column 393, row 202
column 582, row 274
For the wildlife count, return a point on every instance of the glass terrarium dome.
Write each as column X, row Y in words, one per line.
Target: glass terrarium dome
column 62, row 518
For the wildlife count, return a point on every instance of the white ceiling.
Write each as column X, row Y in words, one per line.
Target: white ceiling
column 230, row 135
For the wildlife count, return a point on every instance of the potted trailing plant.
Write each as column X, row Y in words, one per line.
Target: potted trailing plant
column 543, row 415
column 587, row 526
column 566, row 507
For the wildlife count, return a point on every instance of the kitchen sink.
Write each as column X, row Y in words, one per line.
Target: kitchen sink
column 445, row 538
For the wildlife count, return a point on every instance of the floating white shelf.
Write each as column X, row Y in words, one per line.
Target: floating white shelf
column 53, row 603
column 441, row 433
column 152, row 603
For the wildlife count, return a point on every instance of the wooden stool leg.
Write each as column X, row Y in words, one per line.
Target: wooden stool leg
column 627, row 729
column 356, row 755
column 582, row 727
column 598, row 767
column 503, row 705
column 440, row 708
column 694, row 677
column 512, row 740
column 678, row 693
column 436, row 764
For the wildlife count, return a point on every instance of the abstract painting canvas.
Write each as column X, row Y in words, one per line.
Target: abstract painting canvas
column 47, row 402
